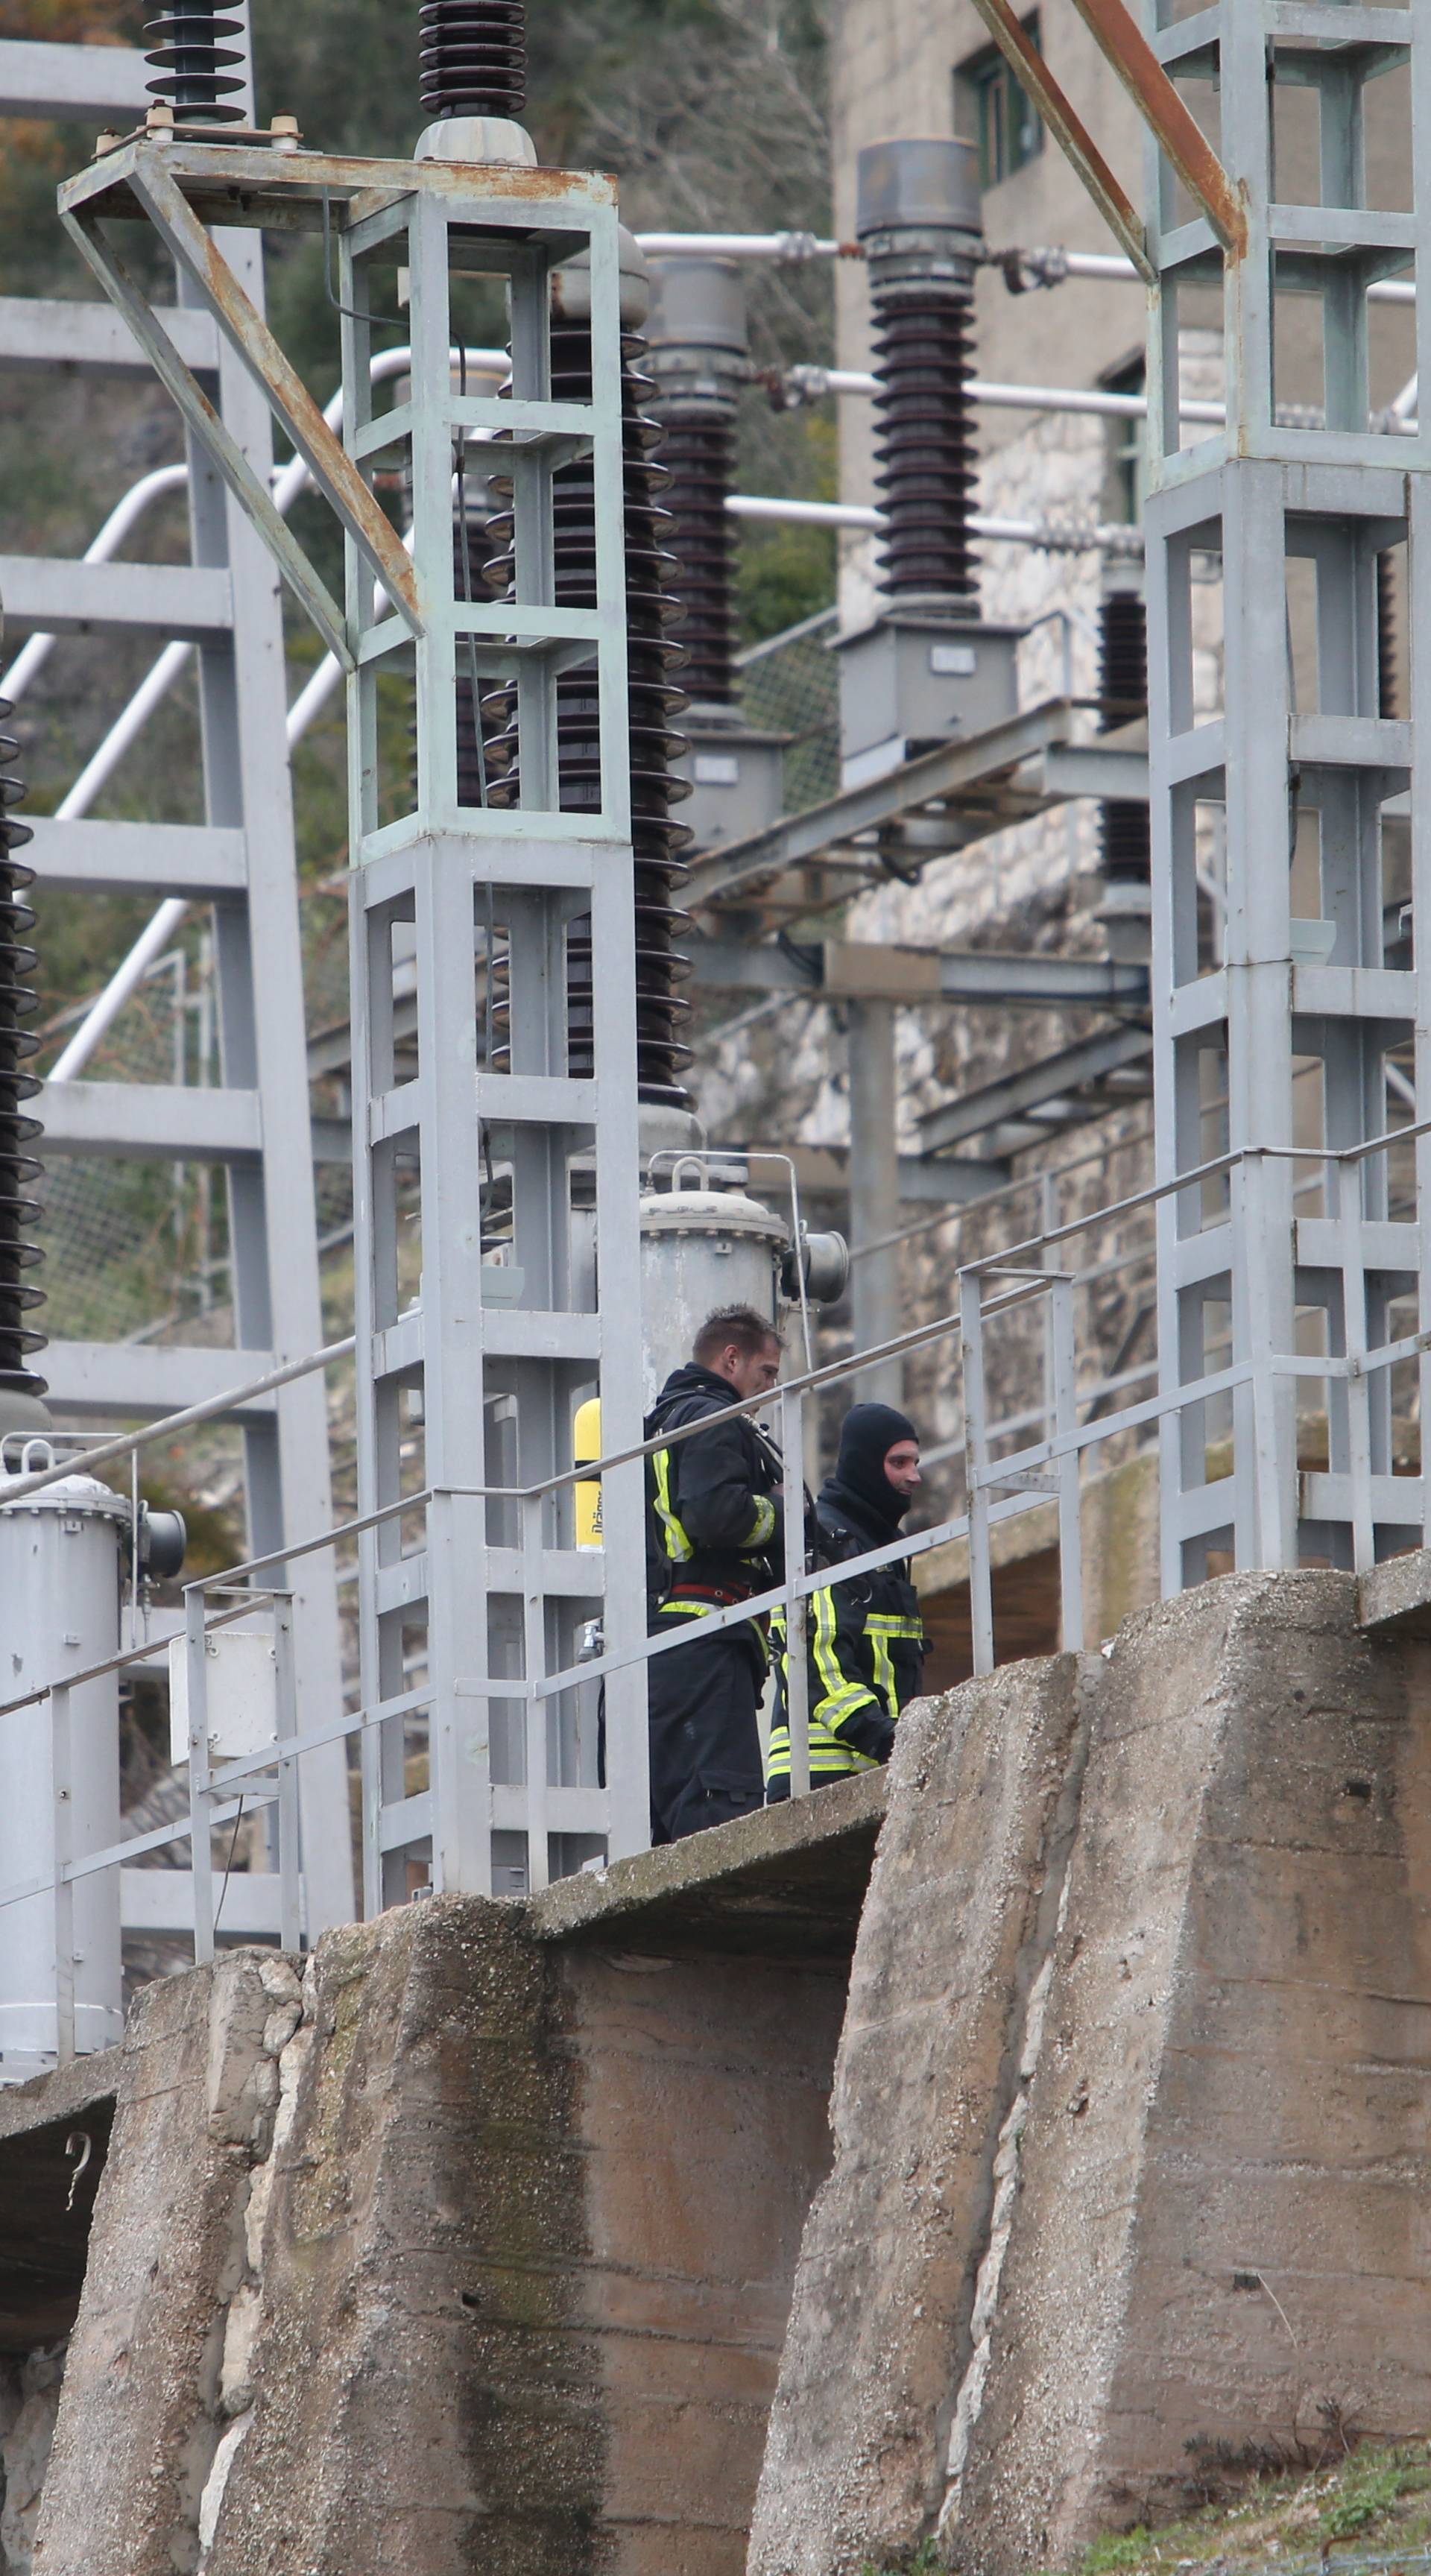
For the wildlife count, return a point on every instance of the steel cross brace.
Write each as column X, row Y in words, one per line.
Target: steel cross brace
column 1166, row 114
column 965, row 765
column 140, row 175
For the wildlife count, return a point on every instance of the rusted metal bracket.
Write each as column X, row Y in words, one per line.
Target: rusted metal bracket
column 1174, row 127
column 153, row 190
column 311, row 592
column 1070, row 132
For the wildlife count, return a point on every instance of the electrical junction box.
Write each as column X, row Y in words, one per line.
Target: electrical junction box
column 736, row 776
column 240, row 1692
column 913, row 678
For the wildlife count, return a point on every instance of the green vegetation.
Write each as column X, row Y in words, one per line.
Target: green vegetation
column 1275, row 2510
column 1374, row 2495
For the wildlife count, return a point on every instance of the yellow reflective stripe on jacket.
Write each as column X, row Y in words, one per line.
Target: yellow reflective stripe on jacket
column 828, row 1753
column 763, row 1525
column 838, row 1697
column 706, row 1610
column 883, row 1628
column 673, row 1537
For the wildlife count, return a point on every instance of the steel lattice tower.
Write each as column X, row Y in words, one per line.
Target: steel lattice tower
column 1278, row 1034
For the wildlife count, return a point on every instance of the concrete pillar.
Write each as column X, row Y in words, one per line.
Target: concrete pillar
column 874, row 1194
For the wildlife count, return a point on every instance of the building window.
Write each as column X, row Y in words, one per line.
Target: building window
column 989, row 97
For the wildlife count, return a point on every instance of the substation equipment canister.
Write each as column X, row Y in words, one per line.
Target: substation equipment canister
column 63, row 1553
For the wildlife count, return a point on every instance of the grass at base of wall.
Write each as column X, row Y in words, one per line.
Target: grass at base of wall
column 1372, row 2501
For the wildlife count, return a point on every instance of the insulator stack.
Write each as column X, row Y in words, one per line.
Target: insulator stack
column 699, row 458
column 1388, row 694
column 918, row 218
column 924, row 444
column 470, row 551
column 658, row 840
column 19, row 1169
column 473, row 56
column 197, row 71
column 699, row 357
column 1122, row 699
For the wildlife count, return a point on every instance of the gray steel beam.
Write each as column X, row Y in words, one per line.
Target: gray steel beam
column 139, row 1381
column 1036, row 1087
column 166, row 600
column 186, row 860
column 823, row 1171
column 972, row 761
column 35, row 332
column 150, row 1122
column 868, row 969
column 89, row 84
column 1089, row 769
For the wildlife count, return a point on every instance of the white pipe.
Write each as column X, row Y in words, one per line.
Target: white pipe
column 151, row 941
column 1069, row 537
column 288, row 482
column 1111, row 263
column 812, row 382
column 781, row 246
column 838, row 380
column 33, row 655
column 155, row 685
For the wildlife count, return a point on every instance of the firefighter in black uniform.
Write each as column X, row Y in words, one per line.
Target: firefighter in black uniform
column 715, row 1536
column 865, row 1638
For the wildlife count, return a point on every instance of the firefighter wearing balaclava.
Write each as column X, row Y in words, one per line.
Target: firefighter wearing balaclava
column 865, row 1637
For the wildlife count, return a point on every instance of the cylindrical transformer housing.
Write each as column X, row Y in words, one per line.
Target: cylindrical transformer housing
column 60, row 1570
column 702, row 1249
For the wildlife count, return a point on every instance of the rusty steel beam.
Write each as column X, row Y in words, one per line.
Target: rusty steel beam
column 332, row 469
column 1120, row 39
column 1070, row 132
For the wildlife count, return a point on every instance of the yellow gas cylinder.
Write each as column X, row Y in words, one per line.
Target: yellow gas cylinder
column 586, row 1445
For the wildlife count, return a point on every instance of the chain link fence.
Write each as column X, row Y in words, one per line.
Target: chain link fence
column 790, row 685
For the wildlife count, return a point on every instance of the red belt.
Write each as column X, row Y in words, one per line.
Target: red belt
column 724, row 1599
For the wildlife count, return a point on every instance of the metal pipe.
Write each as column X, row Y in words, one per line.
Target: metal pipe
column 33, row 655
column 289, row 480
column 810, row 383
column 778, row 246
column 1056, row 536
column 1051, row 265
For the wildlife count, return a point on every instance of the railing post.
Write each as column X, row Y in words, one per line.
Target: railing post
column 61, row 1766
column 290, row 1905
column 535, row 1632
column 1347, row 1188
column 797, row 1682
column 976, row 1461
column 1063, row 1374
column 200, row 1776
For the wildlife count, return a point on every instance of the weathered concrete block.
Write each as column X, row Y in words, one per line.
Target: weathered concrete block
column 138, row 2419
column 1130, row 2156
column 982, row 1802
column 1221, row 2218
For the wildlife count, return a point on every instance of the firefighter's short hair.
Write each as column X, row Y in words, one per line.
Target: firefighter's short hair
column 737, row 1328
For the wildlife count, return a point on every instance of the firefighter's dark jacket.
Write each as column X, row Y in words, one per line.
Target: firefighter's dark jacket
column 865, row 1652
column 714, row 1520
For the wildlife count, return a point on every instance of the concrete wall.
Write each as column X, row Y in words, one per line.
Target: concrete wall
column 475, row 2251
column 712, row 2205
column 1130, row 2113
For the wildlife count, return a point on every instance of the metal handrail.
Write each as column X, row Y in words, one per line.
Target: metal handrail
column 1039, row 1475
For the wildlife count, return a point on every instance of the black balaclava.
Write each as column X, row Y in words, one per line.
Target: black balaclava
column 859, row 1484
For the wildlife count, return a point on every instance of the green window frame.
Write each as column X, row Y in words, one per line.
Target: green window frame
column 1006, row 122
